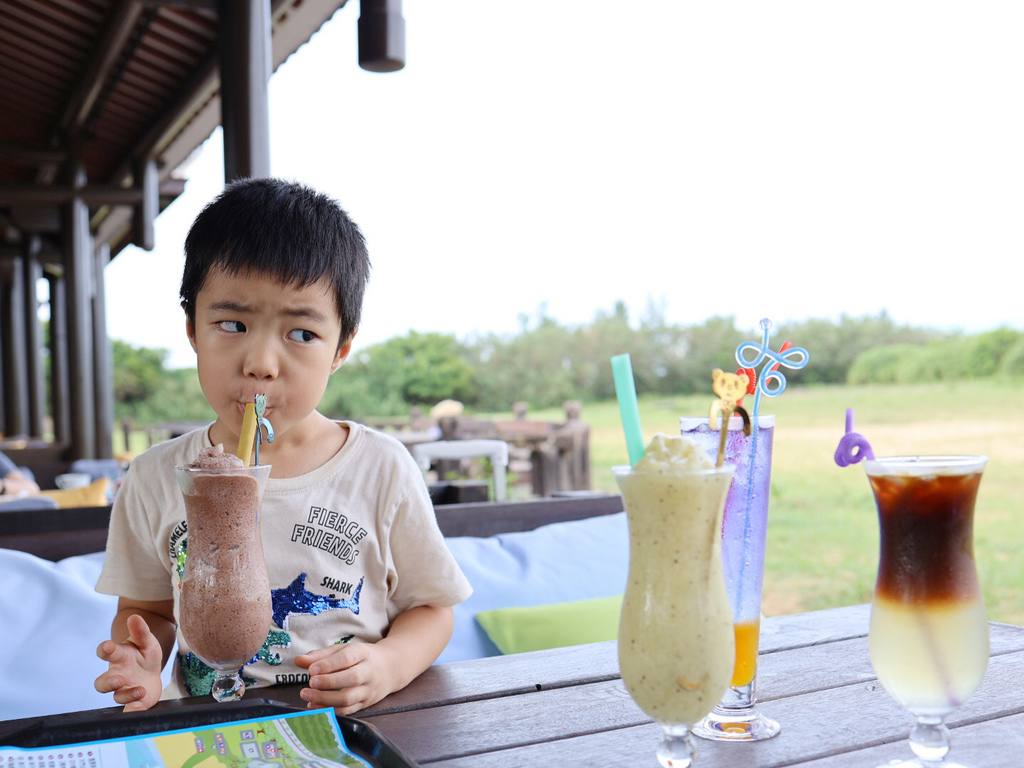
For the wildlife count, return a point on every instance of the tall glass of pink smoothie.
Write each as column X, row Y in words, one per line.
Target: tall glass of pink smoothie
column 224, row 609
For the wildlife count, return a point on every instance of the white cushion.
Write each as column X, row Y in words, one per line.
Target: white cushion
column 52, row 622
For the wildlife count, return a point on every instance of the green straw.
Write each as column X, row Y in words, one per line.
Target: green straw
column 625, row 388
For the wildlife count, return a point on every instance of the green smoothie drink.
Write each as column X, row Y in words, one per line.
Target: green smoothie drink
column 676, row 640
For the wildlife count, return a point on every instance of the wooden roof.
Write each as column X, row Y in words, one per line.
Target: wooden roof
column 98, row 87
column 101, row 101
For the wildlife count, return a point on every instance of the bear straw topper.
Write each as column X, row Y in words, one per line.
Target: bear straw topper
column 770, row 383
column 730, row 388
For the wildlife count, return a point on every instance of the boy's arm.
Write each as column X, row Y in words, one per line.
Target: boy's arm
column 142, row 636
column 17, row 482
column 357, row 675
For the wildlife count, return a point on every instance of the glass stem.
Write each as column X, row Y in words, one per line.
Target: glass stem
column 929, row 740
column 678, row 749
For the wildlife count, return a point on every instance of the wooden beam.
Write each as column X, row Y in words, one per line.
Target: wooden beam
column 148, row 180
column 243, row 38
column 108, row 49
column 60, row 194
column 381, row 30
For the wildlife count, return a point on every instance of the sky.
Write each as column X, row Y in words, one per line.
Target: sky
column 790, row 160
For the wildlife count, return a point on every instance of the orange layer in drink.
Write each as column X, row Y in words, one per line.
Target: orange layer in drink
column 747, row 635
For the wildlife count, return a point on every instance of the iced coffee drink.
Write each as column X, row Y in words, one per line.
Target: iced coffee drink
column 225, row 610
column 929, row 631
column 929, row 638
column 676, row 641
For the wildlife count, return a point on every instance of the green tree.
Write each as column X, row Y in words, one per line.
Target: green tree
column 708, row 346
column 833, row 347
column 1012, row 363
column 138, row 373
column 416, row 369
column 989, row 349
column 537, row 366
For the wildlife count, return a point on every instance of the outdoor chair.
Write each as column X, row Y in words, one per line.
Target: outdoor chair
column 455, row 450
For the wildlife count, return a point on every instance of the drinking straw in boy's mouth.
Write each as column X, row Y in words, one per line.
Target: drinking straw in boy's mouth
column 629, row 409
column 261, row 424
column 247, row 436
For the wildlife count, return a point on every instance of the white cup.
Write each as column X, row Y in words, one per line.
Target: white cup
column 71, row 480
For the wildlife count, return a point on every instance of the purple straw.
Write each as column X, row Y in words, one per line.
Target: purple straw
column 853, row 446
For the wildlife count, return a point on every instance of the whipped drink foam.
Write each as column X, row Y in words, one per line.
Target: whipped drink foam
column 216, row 458
column 672, row 455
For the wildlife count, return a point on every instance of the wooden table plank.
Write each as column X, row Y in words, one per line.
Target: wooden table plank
column 560, row 667
column 990, row 744
column 818, row 730
column 499, row 676
column 846, row 708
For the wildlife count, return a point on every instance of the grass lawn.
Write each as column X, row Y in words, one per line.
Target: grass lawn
column 823, row 531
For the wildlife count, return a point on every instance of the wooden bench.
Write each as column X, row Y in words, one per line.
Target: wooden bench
column 55, row 534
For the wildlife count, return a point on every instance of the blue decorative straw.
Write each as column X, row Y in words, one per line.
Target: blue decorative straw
column 770, row 383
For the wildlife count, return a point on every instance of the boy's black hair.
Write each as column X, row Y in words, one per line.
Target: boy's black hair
column 283, row 230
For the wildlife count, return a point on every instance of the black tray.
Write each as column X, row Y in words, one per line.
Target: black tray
column 362, row 739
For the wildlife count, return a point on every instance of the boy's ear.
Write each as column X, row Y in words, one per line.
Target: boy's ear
column 190, row 331
column 343, row 352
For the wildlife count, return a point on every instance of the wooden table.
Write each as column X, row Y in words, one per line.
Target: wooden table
column 568, row 707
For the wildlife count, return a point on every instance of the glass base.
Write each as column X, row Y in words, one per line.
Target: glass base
column 728, row 724
column 929, row 740
column 228, row 687
column 677, row 748
column 735, row 718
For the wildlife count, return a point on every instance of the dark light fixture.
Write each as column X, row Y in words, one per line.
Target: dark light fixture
column 381, row 35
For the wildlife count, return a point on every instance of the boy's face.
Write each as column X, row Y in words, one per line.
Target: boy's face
column 255, row 335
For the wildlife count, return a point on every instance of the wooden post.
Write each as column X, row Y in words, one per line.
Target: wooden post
column 15, row 373
column 60, row 384
column 78, row 265
column 243, row 42
column 103, row 365
column 34, row 338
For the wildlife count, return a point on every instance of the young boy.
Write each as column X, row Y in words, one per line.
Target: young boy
column 362, row 583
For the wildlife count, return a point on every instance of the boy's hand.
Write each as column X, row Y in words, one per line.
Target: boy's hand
column 357, row 675
column 347, row 677
column 135, row 664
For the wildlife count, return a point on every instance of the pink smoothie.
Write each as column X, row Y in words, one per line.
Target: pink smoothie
column 225, row 609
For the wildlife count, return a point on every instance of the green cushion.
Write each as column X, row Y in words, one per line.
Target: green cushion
column 536, row 627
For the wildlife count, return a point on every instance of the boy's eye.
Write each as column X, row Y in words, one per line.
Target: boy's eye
column 300, row 335
column 232, row 326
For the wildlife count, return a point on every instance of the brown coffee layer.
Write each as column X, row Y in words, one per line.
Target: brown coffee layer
column 927, row 526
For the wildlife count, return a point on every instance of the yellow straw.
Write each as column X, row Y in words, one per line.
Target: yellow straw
column 248, row 435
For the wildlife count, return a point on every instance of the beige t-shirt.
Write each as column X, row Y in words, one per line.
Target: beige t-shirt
column 349, row 546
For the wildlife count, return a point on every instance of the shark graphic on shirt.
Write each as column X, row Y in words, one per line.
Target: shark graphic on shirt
column 295, row 599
